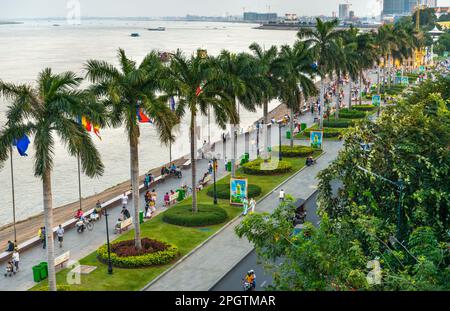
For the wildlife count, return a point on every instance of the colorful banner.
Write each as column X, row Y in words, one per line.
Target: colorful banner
column 316, row 139
column 376, row 100
column 238, row 190
column 405, row 80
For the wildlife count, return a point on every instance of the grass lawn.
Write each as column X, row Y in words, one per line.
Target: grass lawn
column 184, row 238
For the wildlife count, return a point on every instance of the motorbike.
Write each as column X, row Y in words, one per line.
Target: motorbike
column 84, row 224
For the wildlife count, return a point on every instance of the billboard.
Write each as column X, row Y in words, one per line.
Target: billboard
column 238, row 190
column 376, row 100
column 316, row 139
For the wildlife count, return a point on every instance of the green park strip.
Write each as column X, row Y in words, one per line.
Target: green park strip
column 185, row 238
column 330, row 134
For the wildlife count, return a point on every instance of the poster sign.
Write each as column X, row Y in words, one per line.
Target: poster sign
column 405, row 80
column 238, row 190
column 446, row 54
column 376, row 100
column 316, row 139
column 422, row 69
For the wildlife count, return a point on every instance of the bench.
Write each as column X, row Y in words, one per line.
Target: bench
column 61, row 259
column 173, row 198
column 186, row 164
column 124, row 224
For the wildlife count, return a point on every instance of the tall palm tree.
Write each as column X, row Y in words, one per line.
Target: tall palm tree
column 197, row 84
column 49, row 109
column 293, row 70
column 323, row 42
column 239, row 74
column 264, row 61
column 123, row 91
column 367, row 57
column 383, row 42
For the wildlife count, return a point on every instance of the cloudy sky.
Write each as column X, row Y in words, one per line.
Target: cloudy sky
column 58, row 8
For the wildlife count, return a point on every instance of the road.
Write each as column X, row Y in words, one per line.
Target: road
column 232, row 280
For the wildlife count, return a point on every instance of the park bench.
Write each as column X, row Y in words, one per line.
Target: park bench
column 186, row 164
column 124, row 225
column 61, row 259
column 173, row 198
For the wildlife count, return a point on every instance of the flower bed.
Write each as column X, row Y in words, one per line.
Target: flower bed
column 223, row 191
column 207, row 215
column 254, row 168
column 295, row 152
column 125, row 255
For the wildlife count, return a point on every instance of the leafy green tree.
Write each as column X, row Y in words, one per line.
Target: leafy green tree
column 123, row 91
column 49, row 109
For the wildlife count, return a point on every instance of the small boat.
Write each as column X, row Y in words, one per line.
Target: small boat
column 135, row 34
column 157, row 29
column 56, row 25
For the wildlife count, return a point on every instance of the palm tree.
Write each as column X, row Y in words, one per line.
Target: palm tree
column 383, row 43
column 367, row 57
column 323, row 42
column 195, row 81
column 123, row 91
column 293, row 70
column 243, row 84
column 51, row 108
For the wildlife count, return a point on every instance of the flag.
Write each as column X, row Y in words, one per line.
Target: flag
column 142, row 117
column 89, row 126
column 172, row 103
column 199, row 89
column 97, row 131
column 22, row 145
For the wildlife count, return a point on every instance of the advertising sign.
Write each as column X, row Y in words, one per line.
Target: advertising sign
column 316, row 139
column 238, row 190
column 376, row 100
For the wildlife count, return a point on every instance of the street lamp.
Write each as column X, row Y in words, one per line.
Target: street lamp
column 214, row 175
column 110, row 269
column 280, row 125
column 257, row 138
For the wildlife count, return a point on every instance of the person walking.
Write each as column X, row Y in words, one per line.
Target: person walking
column 125, row 213
column 146, row 181
column 245, row 205
column 41, row 235
column 16, row 260
column 252, row 205
column 124, row 200
column 282, row 195
column 60, row 235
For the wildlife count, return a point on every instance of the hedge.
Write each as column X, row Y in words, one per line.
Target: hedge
column 254, row 168
column 294, row 152
column 327, row 132
column 340, row 123
column 351, row 114
column 223, row 191
column 207, row 215
column 145, row 260
column 363, row 107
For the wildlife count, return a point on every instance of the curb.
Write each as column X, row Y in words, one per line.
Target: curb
column 248, row 253
column 220, row 230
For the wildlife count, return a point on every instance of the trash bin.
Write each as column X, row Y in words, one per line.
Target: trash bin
column 37, row 273
column 44, row 270
column 288, row 134
column 141, row 217
column 303, row 127
column 228, row 166
column 246, row 156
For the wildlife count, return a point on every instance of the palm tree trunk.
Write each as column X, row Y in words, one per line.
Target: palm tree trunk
column 389, row 71
column 266, row 121
column 266, row 111
column 48, row 221
column 321, row 102
column 193, row 165
column 233, row 150
column 350, row 93
column 379, row 82
column 134, row 165
column 360, row 87
column 292, row 126
column 338, row 89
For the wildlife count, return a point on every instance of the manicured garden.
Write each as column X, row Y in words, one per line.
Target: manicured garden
column 178, row 239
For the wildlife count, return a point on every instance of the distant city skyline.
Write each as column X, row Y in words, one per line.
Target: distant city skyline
column 10, row 9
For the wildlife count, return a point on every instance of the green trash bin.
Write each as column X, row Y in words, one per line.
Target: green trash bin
column 37, row 273
column 44, row 270
column 288, row 134
column 303, row 127
column 247, row 156
column 228, row 166
column 141, row 217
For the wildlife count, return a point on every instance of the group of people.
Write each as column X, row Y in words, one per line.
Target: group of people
column 167, row 196
column 250, row 281
column 12, row 266
column 172, row 169
column 150, row 203
column 248, row 206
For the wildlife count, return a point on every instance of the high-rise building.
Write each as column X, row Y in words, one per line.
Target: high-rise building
column 404, row 7
column 344, row 10
column 260, row 17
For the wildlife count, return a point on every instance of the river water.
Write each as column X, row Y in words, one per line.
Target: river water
column 26, row 49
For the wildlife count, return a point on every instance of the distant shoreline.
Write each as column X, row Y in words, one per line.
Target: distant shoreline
column 10, row 23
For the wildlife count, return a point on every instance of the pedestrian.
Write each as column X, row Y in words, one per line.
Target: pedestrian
column 16, row 259
column 252, row 205
column 41, row 234
column 98, row 208
column 146, row 181
column 10, row 247
column 60, row 235
column 210, row 168
column 282, row 195
column 125, row 213
column 245, row 205
column 124, row 200
column 167, row 199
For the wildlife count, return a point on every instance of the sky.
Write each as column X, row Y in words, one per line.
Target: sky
column 10, row 9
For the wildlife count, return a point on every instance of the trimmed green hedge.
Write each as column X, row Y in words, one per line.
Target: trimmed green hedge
column 183, row 216
column 327, row 132
column 254, row 168
column 363, row 107
column 340, row 123
column 145, row 260
column 351, row 114
column 294, row 152
column 223, row 191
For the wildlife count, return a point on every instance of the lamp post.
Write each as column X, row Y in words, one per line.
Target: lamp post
column 214, row 176
column 280, row 125
column 257, row 138
column 110, row 269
